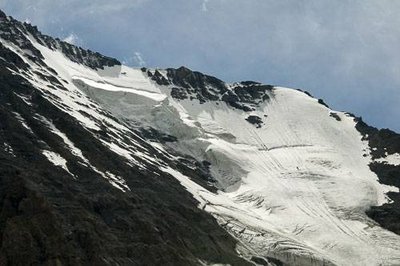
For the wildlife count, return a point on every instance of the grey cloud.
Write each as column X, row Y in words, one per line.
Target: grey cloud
column 72, row 38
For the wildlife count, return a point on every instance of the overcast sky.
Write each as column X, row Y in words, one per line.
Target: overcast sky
column 346, row 51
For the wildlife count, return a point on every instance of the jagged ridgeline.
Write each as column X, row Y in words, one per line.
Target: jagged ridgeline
column 103, row 164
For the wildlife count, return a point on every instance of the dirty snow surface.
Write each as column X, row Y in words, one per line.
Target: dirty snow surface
column 295, row 189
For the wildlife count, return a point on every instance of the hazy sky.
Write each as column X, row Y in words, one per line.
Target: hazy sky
column 346, row 51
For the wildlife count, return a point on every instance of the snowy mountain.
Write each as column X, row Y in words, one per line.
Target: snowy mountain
column 103, row 164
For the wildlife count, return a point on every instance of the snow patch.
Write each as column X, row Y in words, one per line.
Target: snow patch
column 114, row 180
column 8, row 149
column 23, row 122
column 57, row 160
column 392, row 159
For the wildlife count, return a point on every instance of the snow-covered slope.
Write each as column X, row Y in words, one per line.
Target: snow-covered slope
column 296, row 188
column 285, row 175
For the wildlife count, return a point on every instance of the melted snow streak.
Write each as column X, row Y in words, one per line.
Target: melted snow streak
column 294, row 186
column 56, row 159
column 116, row 181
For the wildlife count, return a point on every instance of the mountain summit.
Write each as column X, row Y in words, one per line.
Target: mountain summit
column 103, row 164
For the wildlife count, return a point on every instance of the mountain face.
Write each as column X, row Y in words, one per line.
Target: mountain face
column 103, row 164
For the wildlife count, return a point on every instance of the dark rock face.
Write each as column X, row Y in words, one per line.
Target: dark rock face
column 188, row 84
column 179, row 94
column 306, row 92
column 195, row 84
column 255, row 120
column 382, row 142
column 320, row 101
column 49, row 216
column 335, row 115
column 157, row 77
